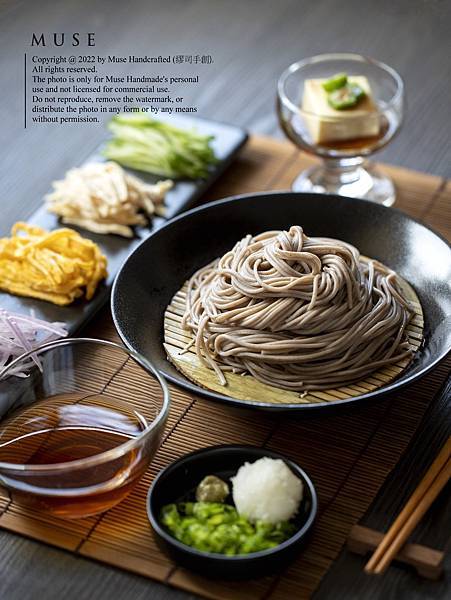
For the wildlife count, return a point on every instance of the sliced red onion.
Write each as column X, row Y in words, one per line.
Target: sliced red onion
column 20, row 334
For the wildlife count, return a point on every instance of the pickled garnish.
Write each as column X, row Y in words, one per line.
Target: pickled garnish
column 212, row 489
column 335, row 82
column 346, row 97
column 218, row 528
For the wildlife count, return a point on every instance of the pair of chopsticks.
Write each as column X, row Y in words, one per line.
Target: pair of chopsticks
column 427, row 491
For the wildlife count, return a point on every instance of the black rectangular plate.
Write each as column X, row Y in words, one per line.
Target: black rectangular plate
column 228, row 140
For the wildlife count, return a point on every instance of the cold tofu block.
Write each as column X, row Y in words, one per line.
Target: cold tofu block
column 326, row 124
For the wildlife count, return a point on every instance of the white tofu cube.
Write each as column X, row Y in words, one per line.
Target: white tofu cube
column 326, row 124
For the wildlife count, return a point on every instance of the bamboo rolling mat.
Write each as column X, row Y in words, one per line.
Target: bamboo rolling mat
column 363, row 445
column 184, row 357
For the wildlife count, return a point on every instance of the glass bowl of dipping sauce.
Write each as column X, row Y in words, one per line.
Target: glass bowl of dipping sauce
column 78, row 432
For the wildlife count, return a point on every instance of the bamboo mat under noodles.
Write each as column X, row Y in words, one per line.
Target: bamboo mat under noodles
column 177, row 344
column 363, row 445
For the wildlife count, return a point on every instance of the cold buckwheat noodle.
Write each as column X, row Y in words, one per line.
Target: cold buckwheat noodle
column 296, row 312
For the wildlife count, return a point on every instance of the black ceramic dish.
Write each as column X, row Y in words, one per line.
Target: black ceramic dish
column 227, row 142
column 178, row 483
column 160, row 266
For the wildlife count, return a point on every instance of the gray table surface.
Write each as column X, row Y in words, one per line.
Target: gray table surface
column 251, row 42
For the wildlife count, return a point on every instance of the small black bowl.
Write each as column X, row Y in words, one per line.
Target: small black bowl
column 178, row 482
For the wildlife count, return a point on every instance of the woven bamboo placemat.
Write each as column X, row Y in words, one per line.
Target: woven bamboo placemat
column 348, row 455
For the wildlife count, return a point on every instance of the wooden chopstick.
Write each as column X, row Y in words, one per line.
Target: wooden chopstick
column 429, row 488
column 438, row 484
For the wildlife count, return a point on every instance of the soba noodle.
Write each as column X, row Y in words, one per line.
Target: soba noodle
column 296, row 312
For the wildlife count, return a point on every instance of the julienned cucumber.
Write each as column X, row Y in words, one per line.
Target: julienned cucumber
column 146, row 144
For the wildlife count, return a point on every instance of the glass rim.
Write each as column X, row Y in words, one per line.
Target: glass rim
column 107, row 455
column 318, row 58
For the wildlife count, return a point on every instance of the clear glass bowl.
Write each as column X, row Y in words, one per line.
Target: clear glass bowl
column 80, row 430
column 344, row 169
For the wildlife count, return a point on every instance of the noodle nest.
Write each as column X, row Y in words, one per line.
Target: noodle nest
column 297, row 313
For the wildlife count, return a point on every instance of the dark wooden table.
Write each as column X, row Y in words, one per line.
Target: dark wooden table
column 251, row 42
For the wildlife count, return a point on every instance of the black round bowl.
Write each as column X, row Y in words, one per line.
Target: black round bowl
column 161, row 264
column 179, row 481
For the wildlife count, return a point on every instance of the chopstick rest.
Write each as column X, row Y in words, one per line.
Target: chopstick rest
column 435, row 479
column 428, row 562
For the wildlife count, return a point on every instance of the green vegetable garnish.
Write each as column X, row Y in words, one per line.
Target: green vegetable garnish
column 347, row 96
column 336, row 82
column 218, row 528
column 145, row 144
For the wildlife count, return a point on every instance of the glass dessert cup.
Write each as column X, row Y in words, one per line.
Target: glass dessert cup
column 80, row 430
column 344, row 169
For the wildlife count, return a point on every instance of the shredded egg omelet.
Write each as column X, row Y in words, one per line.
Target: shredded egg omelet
column 58, row 266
